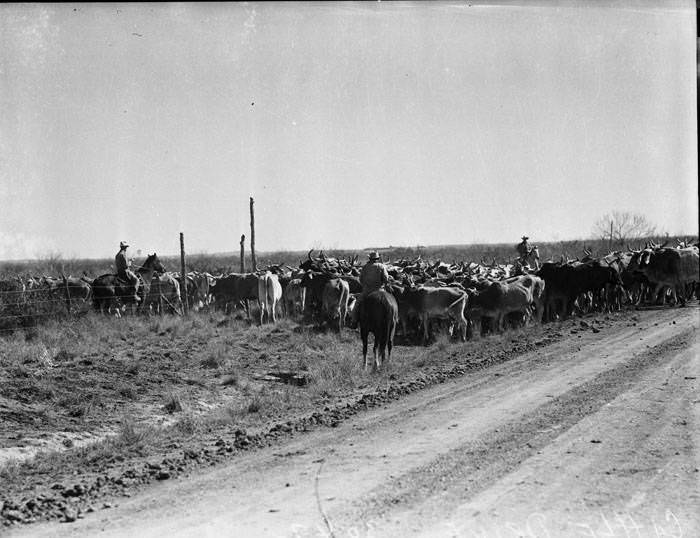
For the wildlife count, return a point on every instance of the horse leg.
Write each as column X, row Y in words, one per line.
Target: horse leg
column 364, row 334
column 381, row 356
column 374, row 352
column 390, row 339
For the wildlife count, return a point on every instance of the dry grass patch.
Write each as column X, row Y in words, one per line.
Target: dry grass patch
column 173, row 403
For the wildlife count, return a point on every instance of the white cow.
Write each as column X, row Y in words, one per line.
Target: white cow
column 269, row 294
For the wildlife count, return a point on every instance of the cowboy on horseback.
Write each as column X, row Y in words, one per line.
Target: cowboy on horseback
column 124, row 272
column 523, row 249
column 526, row 254
column 373, row 277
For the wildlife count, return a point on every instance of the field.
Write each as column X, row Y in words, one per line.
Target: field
column 110, row 407
column 95, row 396
column 94, row 409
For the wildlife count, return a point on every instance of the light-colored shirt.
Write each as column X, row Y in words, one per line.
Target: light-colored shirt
column 121, row 261
column 374, row 275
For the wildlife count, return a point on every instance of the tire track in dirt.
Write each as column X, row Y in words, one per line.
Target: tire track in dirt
column 465, row 472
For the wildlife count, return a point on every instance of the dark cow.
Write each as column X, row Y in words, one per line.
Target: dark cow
column 668, row 267
column 315, row 282
column 234, row 288
column 564, row 283
column 378, row 315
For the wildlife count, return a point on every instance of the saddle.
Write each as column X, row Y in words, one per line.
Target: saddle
column 128, row 283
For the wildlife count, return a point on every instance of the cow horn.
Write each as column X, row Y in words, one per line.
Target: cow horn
column 309, row 255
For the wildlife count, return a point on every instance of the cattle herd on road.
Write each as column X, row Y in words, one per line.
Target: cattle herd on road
column 419, row 294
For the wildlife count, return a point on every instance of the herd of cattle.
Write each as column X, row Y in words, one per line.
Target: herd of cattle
column 419, row 292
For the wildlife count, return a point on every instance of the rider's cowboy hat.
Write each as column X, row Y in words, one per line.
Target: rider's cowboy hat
column 373, row 256
column 123, row 244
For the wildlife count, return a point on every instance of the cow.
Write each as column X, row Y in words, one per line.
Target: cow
column 164, row 293
column 235, row 288
column 269, row 294
column 514, row 295
column 78, row 289
column 566, row 282
column 378, row 315
column 315, row 282
column 198, row 289
column 675, row 268
column 353, row 282
column 294, row 298
column 431, row 303
column 12, row 292
column 336, row 293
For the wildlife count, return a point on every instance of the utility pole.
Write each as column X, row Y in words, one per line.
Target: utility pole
column 243, row 253
column 252, row 235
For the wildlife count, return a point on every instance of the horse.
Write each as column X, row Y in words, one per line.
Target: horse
column 109, row 291
column 528, row 263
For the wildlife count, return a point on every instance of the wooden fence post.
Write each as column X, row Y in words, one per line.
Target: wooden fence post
column 243, row 253
column 183, row 275
column 252, row 235
column 67, row 290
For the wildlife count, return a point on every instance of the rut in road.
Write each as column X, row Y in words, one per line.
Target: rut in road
column 476, row 465
column 449, row 484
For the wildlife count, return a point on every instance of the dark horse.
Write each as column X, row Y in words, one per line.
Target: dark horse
column 379, row 314
column 109, row 291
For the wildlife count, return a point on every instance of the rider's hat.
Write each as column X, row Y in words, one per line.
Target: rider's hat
column 525, row 238
column 123, row 244
column 373, row 256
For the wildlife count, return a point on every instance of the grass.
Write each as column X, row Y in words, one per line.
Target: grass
column 197, row 374
column 173, row 403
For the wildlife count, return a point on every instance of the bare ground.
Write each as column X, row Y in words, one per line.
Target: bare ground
column 584, row 433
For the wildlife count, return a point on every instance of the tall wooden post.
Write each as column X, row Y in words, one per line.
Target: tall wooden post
column 252, row 235
column 183, row 275
column 611, row 236
column 67, row 290
column 243, row 253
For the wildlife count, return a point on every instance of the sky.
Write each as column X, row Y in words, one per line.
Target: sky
column 352, row 125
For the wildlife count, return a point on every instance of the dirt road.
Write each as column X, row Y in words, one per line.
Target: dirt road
column 595, row 435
